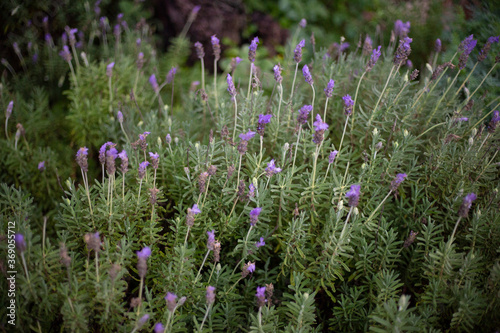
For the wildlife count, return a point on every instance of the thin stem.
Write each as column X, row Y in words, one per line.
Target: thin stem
column 454, row 230
column 139, row 195
column 486, row 116
column 239, row 168
column 235, row 117
column 280, row 89
column 203, row 263
column 342, row 139
column 215, row 87
column 250, row 81
column 6, row 125
column 187, row 234
column 25, row 268
column 312, row 111
column 380, row 97
column 484, row 78
column 123, row 130
column 259, row 316
column 73, row 73
column 293, row 84
column 378, row 207
column 324, row 112
column 205, row 318
column 97, row 266
column 466, row 79
column 441, row 99
column 354, row 104
column 140, row 296
column 296, row 146
column 86, row 184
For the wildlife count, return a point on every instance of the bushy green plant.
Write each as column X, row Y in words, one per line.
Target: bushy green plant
column 278, row 205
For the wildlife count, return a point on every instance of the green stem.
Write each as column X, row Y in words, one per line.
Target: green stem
column 205, row 318
column 466, row 79
column 199, row 271
column 324, row 112
column 380, row 97
column 296, row 146
column 250, row 81
column 215, row 87
column 312, row 111
column 342, row 139
column 235, row 117
column 441, row 99
column 480, row 84
column 378, row 207
column 354, row 105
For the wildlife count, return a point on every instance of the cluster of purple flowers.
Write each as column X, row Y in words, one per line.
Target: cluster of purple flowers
column 466, row 204
column 331, row 157
column 467, row 45
column 319, row 127
column 263, row 120
column 81, row 158
column 486, row 48
column 254, row 216
column 277, row 73
column 303, row 114
column 154, row 83
column 307, row 75
column 272, row 169
column 329, row 88
column 353, row 195
column 348, row 104
column 403, row 51
column 230, row 87
column 298, row 51
column 142, row 169
column 247, row 269
column 373, row 59
column 252, row 49
column 243, row 145
column 216, row 47
column 401, row 29
column 191, row 212
column 400, row 177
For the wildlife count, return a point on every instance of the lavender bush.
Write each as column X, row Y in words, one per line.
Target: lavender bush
column 265, row 207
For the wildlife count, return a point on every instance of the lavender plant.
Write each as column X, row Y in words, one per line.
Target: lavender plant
column 317, row 225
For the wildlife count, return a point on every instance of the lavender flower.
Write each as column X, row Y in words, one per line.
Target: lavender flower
column 211, row 240
column 271, row 170
column 410, row 239
column 202, row 180
column 254, row 216
column 191, row 212
column 81, row 158
column 437, row 45
column 8, row 112
column 353, row 195
column 247, row 269
column 216, row 47
column 466, row 204
column 494, row 121
column 332, row 156
column 111, row 156
column 102, row 152
column 367, row 45
column 159, row 328
column 320, row 127
column 307, row 75
column 200, row 52
column 120, row 117
column 486, row 48
column 298, row 51
column 48, row 39
column 230, row 87
column 142, row 321
column 260, row 243
column 123, row 156
column 154, row 159
column 154, row 83
column 465, row 42
column 303, row 114
column 461, row 119
column 467, row 49
column 171, row 74
column 210, row 295
column 20, row 242
column 400, row 177
column 373, row 59
column 263, row 120
column 142, row 257
column 251, row 190
column 109, row 69
column 252, row 49
column 242, row 147
column 401, row 29
column 41, row 166
column 195, row 210
column 140, row 61
column 403, row 51
column 277, row 74
column 65, row 54
column 142, row 169
column 171, row 301
column 93, row 241
column 303, row 23
column 168, row 139
column 329, row 89
column 261, row 296
column 348, row 104
column 144, row 253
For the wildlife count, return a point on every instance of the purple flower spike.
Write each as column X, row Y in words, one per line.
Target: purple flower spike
column 144, row 253
column 437, row 45
column 254, row 216
column 211, row 240
column 8, row 112
column 159, row 328
column 216, row 47
column 200, row 52
column 154, row 83
column 307, row 75
column 210, row 295
column 486, row 48
column 467, row 45
column 303, row 23
column 265, row 119
column 403, row 51
column 154, row 159
column 261, row 296
column 142, row 321
column 401, row 29
column 230, row 87
column 120, row 117
column 353, row 195
column 320, row 127
column 171, row 74
column 171, row 303
column 20, row 242
column 495, row 119
column 66, row 54
column 271, row 170
column 277, row 74
column 332, row 156
column 466, row 204
column 348, row 104
column 373, row 59
column 41, row 166
column 168, row 139
column 303, row 114
column 400, row 177
column 298, row 51
column 123, row 156
column 195, row 210
column 81, row 158
column 260, row 243
column 329, row 89
column 246, row 137
column 252, row 49
column 142, row 169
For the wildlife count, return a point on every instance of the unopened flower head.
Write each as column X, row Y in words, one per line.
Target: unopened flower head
column 142, row 321
column 154, row 83
column 81, row 158
column 168, row 139
column 200, row 52
column 140, row 60
column 254, row 216
column 41, row 166
column 298, row 51
column 109, row 69
column 8, row 112
column 332, row 156
column 93, row 241
column 307, row 75
column 466, row 204
column 437, row 45
column 367, row 45
column 216, row 47
column 277, row 74
column 171, row 301
column 303, row 114
column 120, row 117
column 329, row 88
column 303, row 23
column 272, row 169
column 159, row 328
column 495, row 119
column 210, row 295
column 400, row 177
column 252, row 49
column 251, row 190
column 230, row 87
column 353, row 195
